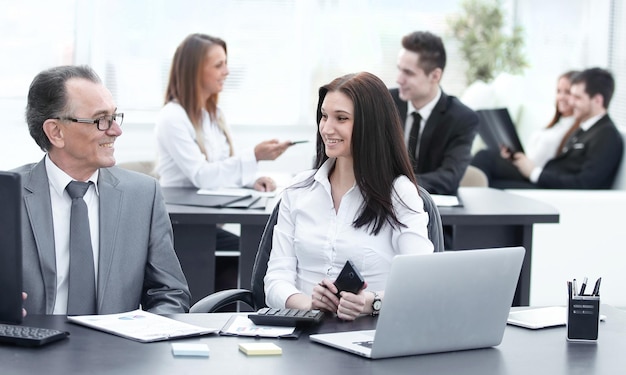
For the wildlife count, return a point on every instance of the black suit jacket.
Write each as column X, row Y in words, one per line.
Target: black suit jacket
column 445, row 148
column 591, row 163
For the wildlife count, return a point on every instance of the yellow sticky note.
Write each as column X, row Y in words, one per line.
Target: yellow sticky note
column 260, row 348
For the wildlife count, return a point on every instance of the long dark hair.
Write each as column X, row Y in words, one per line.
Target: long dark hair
column 378, row 149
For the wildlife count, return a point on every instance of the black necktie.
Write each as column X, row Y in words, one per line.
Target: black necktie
column 82, row 281
column 414, row 135
column 571, row 141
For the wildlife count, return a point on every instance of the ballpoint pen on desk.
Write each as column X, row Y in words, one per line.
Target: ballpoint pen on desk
column 583, row 286
column 574, row 287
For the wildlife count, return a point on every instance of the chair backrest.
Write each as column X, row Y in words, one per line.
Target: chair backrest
column 146, row 167
column 435, row 227
column 474, row 177
column 260, row 262
column 435, row 233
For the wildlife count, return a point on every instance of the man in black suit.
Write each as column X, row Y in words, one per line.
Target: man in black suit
column 440, row 144
column 591, row 156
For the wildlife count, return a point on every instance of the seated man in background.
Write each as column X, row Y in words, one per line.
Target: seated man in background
column 438, row 128
column 589, row 159
column 96, row 239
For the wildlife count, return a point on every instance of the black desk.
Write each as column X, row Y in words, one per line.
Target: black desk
column 495, row 218
column 522, row 352
column 488, row 218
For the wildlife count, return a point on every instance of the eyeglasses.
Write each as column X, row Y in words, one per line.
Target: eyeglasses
column 103, row 123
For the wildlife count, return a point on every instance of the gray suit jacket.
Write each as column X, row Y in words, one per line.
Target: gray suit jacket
column 137, row 265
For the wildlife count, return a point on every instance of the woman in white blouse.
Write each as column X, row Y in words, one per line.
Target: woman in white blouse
column 504, row 170
column 360, row 203
column 194, row 147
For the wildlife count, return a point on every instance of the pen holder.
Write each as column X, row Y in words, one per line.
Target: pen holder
column 583, row 318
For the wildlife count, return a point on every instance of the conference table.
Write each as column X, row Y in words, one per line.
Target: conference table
column 487, row 218
column 521, row 352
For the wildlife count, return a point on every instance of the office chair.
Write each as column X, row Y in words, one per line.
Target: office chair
column 255, row 298
column 473, row 176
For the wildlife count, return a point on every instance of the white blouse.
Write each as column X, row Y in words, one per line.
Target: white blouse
column 180, row 163
column 544, row 143
column 312, row 242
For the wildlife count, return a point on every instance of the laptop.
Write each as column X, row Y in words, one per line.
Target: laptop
column 10, row 248
column 439, row 302
column 497, row 129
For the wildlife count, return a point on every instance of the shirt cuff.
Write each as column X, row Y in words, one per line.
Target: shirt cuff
column 534, row 175
column 249, row 167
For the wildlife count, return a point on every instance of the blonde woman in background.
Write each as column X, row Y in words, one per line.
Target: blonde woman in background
column 194, row 146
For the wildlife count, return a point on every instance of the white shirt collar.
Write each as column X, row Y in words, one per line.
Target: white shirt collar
column 587, row 124
column 426, row 110
column 58, row 179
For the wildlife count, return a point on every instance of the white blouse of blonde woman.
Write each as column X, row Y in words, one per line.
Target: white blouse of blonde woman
column 314, row 235
column 182, row 164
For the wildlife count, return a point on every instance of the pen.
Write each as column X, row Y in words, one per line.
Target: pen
column 582, row 287
column 596, row 288
column 574, row 287
column 569, row 289
column 297, row 142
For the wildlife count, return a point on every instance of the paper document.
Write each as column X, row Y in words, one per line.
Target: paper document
column 239, row 325
column 542, row 317
column 446, row 200
column 141, row 326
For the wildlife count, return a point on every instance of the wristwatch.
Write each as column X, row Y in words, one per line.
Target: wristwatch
column 376, row 304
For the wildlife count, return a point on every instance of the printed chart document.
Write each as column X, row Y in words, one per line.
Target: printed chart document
column 141, row 326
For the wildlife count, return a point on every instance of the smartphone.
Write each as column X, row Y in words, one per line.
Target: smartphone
column 349, row 279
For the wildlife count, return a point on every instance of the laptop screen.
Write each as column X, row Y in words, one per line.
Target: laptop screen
column 10, row 248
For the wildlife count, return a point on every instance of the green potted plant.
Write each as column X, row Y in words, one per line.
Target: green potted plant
column 486, row 47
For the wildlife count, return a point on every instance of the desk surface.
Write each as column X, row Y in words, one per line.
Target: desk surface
column 522, row 352
column 487, row 206
column 481, row 206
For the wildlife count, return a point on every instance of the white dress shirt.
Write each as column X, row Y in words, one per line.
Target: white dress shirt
column 180, row 163
column 312, row 241
column 61, row 209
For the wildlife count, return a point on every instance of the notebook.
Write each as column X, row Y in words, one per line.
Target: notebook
column 10, row 248
column 496, row 128
column 439, row 302
column 190, row 197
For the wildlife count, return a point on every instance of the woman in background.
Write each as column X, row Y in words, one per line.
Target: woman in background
column 194, row 146
column 360, row 203
column 506, row 170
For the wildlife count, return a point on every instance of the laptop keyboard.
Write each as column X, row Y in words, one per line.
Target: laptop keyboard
column 29, row 336
column 286, row 317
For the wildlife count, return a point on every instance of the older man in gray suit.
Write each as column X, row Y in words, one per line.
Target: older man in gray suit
column 126, row 232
